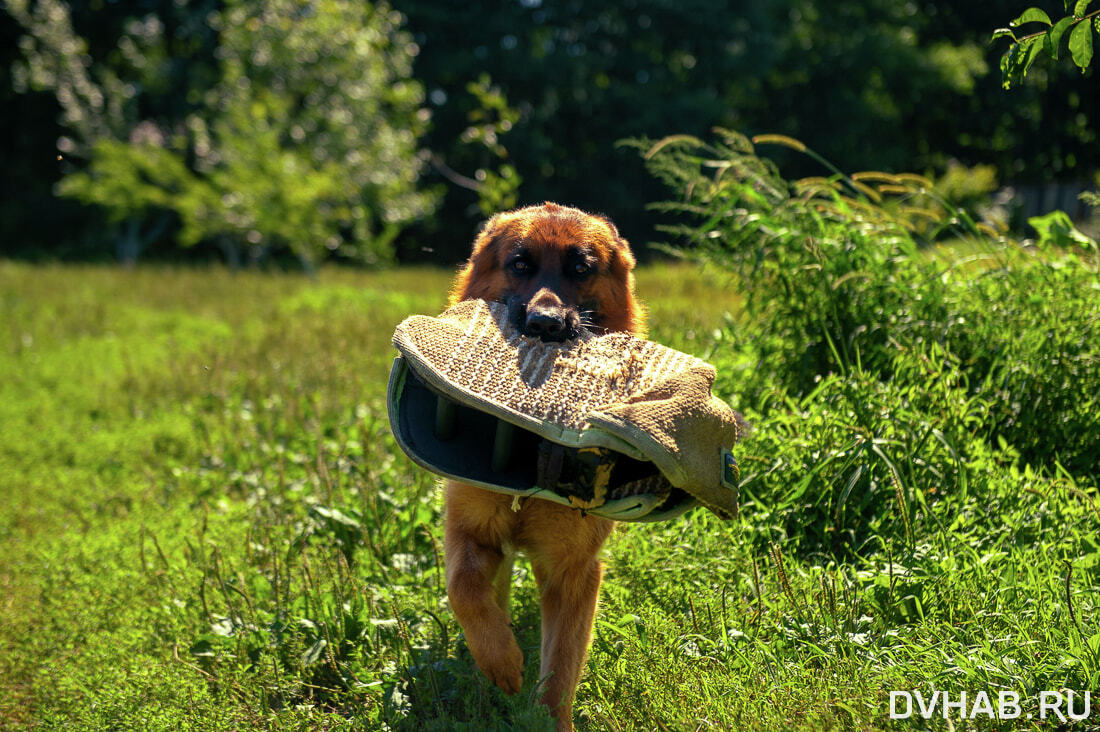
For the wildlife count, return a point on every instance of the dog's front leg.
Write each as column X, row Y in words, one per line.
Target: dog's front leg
column 564, row 558
column 568, row 609
column 478, row 526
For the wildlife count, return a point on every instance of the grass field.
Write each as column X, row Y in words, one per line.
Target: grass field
column 206, row 524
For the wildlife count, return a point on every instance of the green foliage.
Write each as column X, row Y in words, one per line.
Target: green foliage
column 317, row 118
column 498, row 190
column 1076, row 28
column 881, row 84
column 857, row 459
column 831, row 272
column 966, row 187
column 836, row 284
column 96, row 102
column 1027, row 336
column 1056, row 229
column 307, row 142
column 129, row 180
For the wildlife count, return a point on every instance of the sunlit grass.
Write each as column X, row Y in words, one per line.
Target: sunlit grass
column 206, row 524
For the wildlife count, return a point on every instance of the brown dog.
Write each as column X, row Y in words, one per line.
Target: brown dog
column 559, row 270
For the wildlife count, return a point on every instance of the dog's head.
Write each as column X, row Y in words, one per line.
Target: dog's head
column 559, row 270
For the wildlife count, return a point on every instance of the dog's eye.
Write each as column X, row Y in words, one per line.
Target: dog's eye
column 521, row 266
column 581, row 268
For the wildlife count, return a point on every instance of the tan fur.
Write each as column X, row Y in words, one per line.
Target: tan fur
column 482, row 530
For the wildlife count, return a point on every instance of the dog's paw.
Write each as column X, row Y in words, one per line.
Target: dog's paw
column 501, row 661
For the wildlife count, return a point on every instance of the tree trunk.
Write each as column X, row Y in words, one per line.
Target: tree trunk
column 232, row 252
column 128, row 245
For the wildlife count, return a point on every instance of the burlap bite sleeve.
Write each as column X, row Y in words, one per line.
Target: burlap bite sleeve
column 613, row 392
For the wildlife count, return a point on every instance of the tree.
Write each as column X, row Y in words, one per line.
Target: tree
column 861, row 82
column 1077, row 31
column 1075, row 28
column 306, row 142
column 97, row 102
column 875, row 84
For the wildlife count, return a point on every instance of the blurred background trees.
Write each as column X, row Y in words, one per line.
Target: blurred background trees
column 326, row 128
column 299, row 133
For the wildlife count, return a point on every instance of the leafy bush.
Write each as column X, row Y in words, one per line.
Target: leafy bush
column 853, row 464
column 968, row 188
column 847, row 310
column 833, row 279
column 1027, row 335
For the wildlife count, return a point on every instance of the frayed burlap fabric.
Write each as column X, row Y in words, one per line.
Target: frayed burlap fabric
column 592, row 394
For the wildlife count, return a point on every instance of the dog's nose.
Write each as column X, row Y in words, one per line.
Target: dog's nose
column 545, row 324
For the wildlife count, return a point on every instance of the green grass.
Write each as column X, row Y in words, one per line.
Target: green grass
column 206, row 524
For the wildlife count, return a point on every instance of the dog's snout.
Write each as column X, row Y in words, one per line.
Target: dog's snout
column 547, row 317
column 549, row 325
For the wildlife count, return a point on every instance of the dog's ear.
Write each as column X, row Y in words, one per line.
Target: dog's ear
column 631, row 314
column 622, row 258
column 474, row 279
